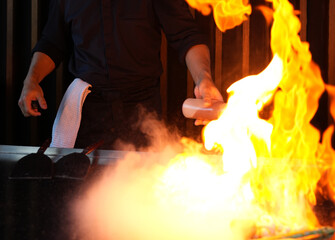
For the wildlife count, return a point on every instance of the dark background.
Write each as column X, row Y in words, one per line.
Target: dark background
column 19, row 32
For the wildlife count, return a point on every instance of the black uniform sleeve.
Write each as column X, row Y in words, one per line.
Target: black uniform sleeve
column 53, row 41
column 178, row 25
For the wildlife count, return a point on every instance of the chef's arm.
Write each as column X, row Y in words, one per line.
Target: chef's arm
column 41, row 65
column 198, row 63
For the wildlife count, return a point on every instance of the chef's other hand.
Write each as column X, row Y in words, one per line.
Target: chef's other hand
column 207, row 91
column 31, row 92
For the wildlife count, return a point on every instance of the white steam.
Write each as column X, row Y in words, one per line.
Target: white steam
column 133, row 201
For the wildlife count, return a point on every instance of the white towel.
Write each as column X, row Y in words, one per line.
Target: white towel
column 67, row 121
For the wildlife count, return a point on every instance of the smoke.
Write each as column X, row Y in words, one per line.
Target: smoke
column 134, row 198
column 150, row 134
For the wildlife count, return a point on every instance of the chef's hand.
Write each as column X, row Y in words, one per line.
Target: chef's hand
column 198, row 62
column 207, row 91
column 31, row 92
column 41, row 65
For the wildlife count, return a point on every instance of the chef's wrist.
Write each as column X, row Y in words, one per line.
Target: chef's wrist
column 31, row 79
column 206, row 79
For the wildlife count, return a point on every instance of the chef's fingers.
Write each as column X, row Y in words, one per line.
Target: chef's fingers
column 211, row 95
column 31, row 93
column 207, row 90
column 207, row 97
column 29, row 105
column 199, row 122
column 42, row 102
column 33, row 107
column 28, row 108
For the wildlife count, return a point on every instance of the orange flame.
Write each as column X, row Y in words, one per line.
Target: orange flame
column 282, row 150
column 227, row 13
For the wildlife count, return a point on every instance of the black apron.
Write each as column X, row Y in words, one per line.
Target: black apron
column 114, row 116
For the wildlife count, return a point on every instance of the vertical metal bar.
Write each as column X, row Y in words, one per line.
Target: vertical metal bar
column 245, row 48
column 163, row 78
column 189, row 85
column 34, row 22
column 33, row 37
column 218, row 60
column 9, row 118
column 331, row 43
column 331, row 49
column 9, row 71
column 303, row 20
column 189, row 78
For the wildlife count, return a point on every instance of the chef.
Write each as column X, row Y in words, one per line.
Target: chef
column 114, row 50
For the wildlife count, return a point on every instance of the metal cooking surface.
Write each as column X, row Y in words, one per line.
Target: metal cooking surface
column 14, row 153
column 38, row 209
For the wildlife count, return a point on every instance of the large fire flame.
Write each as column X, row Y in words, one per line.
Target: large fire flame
column 262, row 184
column 227, row 14
column 281, row 152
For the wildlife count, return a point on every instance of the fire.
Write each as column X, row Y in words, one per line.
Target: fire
column 227, row 13
column 264, row 180
column 274, row 160
column 282, row 151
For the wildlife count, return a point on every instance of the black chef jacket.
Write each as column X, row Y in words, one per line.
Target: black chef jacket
column 115, row 46
column 116, row 43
